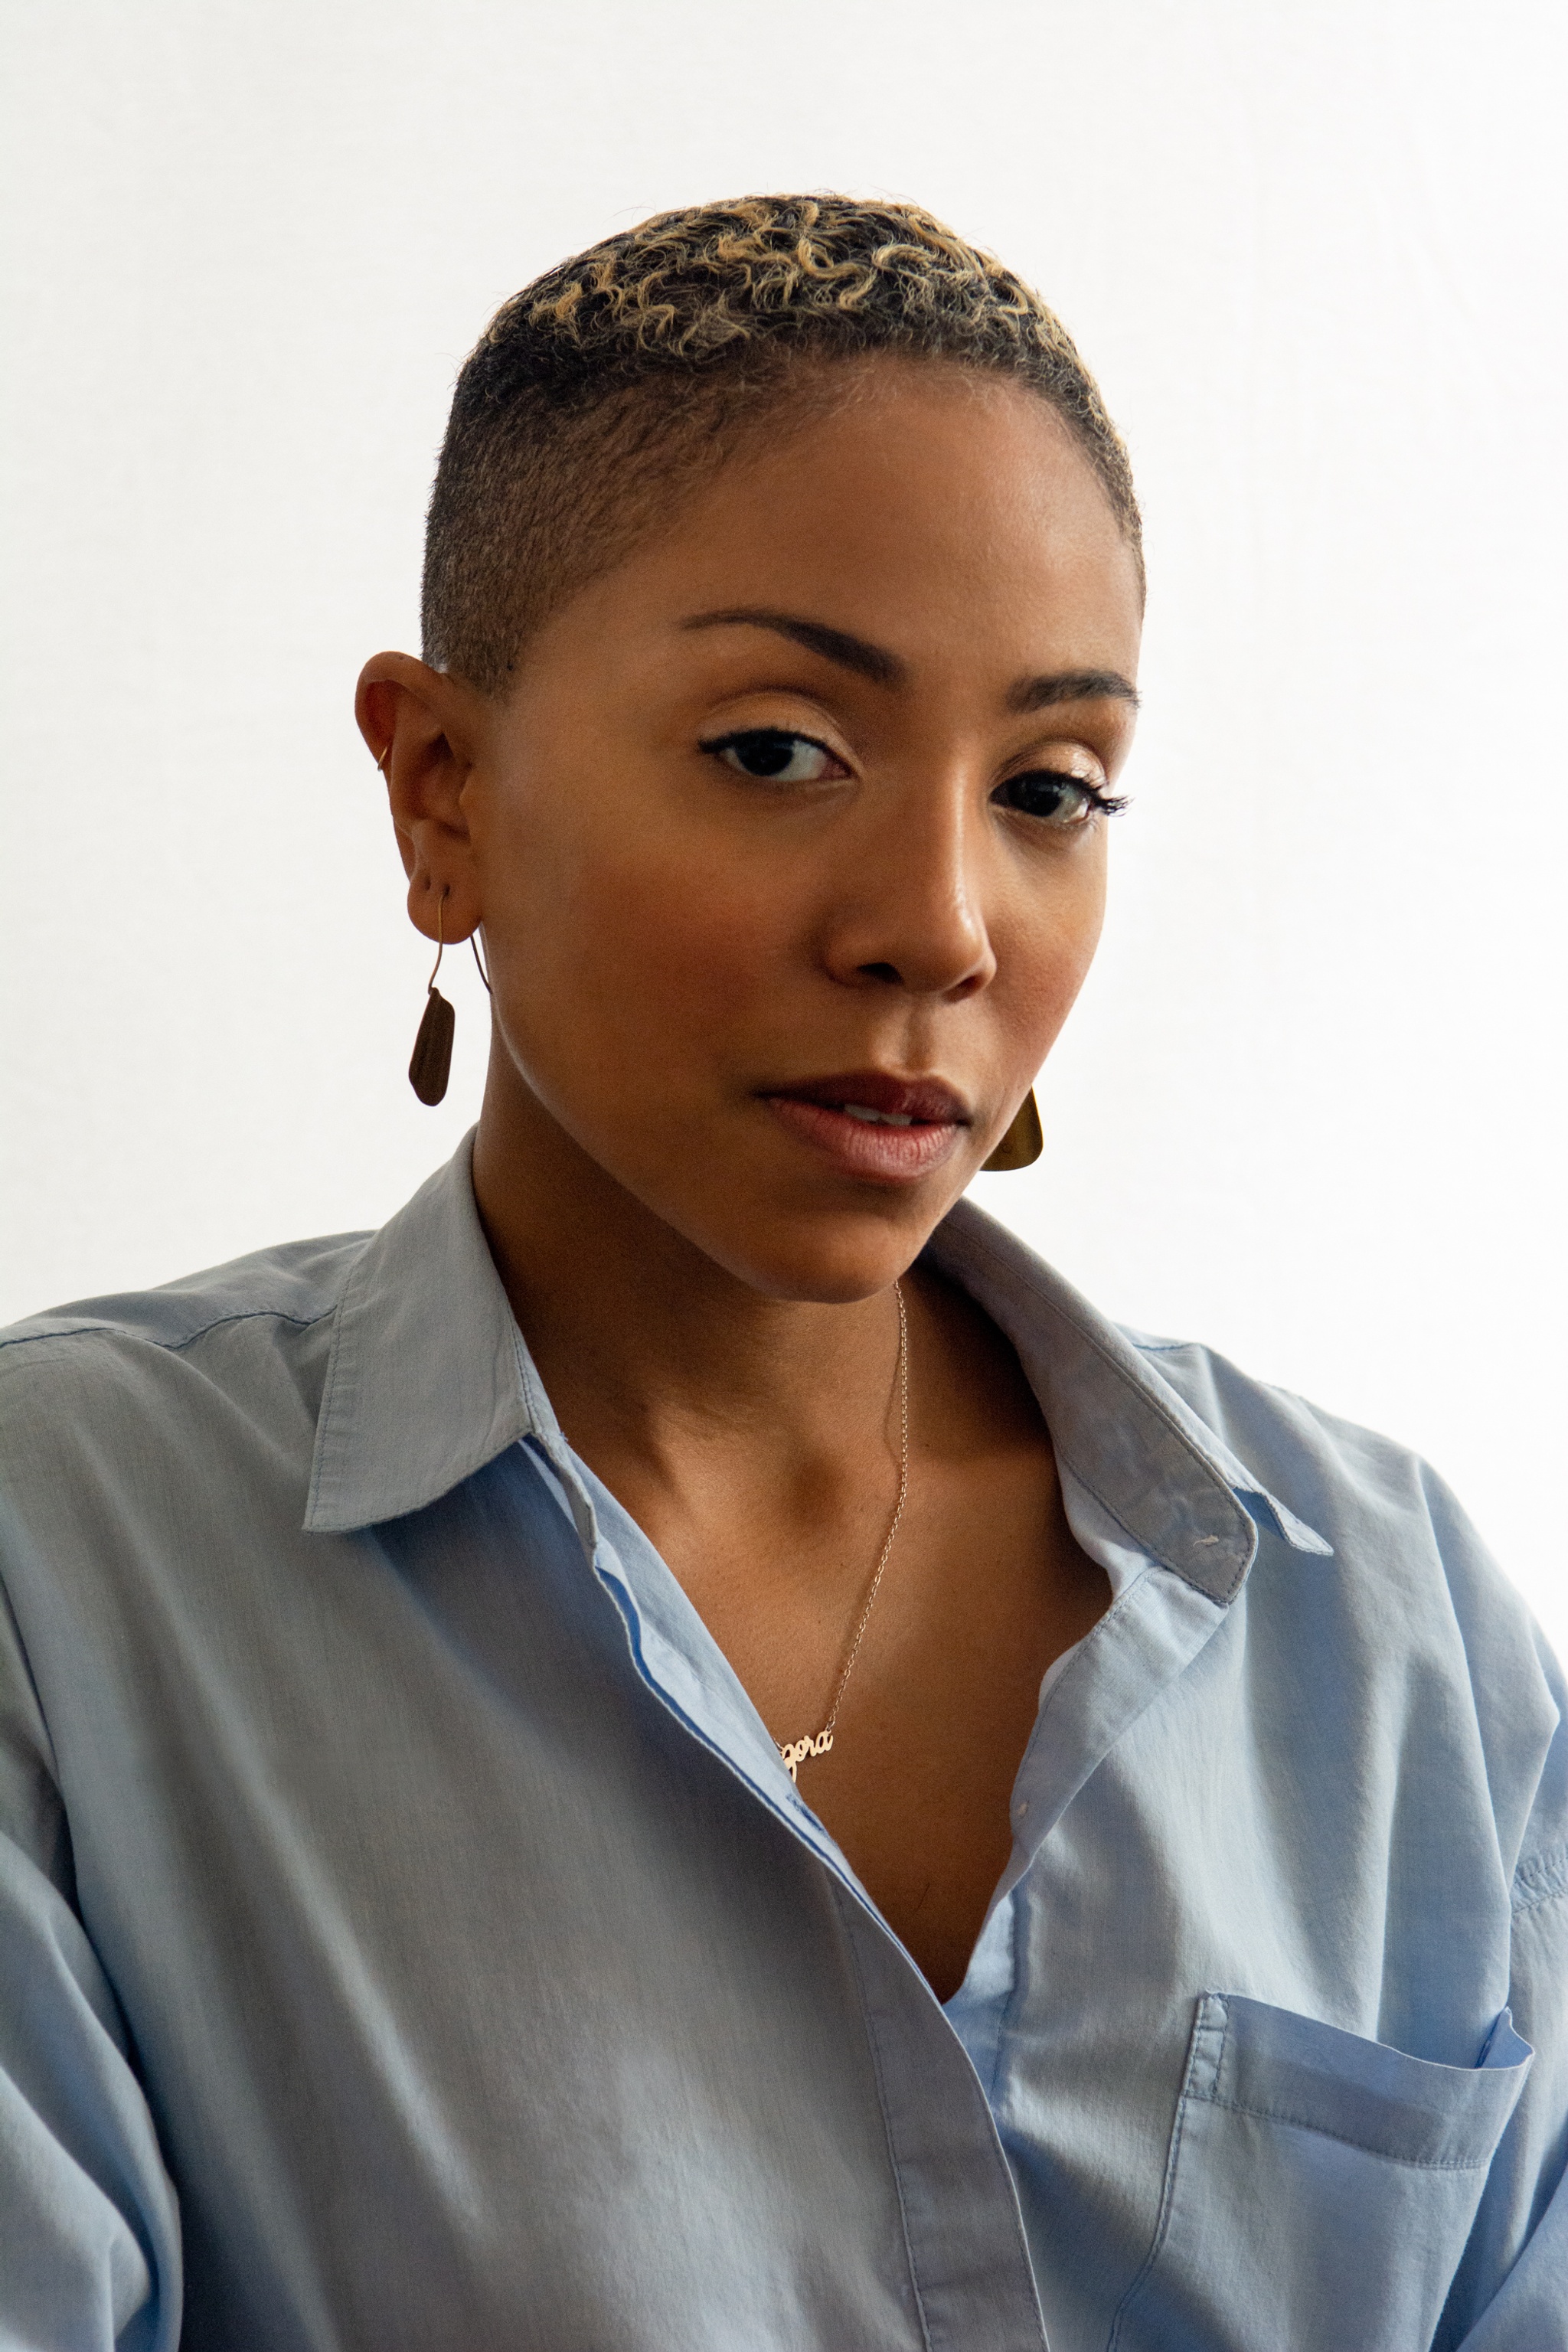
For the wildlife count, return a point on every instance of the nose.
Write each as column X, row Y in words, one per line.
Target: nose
column 908, row 909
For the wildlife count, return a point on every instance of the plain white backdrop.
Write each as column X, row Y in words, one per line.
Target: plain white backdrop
column 1310, row 1109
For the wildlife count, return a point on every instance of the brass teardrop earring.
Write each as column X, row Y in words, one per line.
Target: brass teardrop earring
column 1022, row 1144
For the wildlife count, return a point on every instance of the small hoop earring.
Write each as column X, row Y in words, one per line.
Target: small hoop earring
column 432, row 1064
column 1023, row 1143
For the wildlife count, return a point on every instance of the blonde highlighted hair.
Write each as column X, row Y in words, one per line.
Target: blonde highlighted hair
column 611, row 383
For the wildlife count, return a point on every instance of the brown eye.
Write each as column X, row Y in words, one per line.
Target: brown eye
column 776, row 756
column 1056, row 798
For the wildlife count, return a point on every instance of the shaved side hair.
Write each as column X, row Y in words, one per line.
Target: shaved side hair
column 613, row 385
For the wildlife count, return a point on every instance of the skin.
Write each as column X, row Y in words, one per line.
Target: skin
column 703, row 1271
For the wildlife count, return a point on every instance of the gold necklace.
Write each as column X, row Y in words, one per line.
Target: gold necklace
column 795, row 1751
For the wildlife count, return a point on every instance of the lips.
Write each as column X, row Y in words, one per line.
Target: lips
column 923, row 1101
column 874, row 1125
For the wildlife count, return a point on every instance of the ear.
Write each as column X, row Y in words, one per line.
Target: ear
column 422, row 727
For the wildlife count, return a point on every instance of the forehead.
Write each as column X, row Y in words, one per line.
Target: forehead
column 920, row 506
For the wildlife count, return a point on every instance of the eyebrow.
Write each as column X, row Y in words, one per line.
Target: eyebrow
column 834, row 645
column 1072, row 686
column 885, row 668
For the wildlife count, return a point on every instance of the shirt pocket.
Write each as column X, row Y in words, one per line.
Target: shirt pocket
column 1318, row 2188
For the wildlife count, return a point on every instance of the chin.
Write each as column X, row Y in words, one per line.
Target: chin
column 828, row 1259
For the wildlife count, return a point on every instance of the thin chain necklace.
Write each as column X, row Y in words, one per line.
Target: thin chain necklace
column 795, row 1751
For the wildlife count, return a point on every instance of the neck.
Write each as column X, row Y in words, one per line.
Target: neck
column 646, row 1345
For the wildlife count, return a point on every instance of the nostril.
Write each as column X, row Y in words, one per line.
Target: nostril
column 888, row 971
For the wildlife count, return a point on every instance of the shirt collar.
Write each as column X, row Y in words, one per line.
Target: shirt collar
column 1124, row 1432
column 426, row 1381
column 429, row 1380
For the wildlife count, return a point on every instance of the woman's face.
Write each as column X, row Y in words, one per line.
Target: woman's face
column 787, row 845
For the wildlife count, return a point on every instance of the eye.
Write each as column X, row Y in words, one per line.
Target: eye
column 1058, row 799
column 777, row 755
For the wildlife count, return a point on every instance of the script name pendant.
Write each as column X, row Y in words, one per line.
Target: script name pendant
column 796, row 1751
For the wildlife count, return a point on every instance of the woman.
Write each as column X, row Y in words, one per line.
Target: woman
column 684, row 1747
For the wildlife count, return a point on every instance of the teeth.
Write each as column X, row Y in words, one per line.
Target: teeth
column 876, row 1117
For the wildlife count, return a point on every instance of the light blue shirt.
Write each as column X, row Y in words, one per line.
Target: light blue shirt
column 411, row 1941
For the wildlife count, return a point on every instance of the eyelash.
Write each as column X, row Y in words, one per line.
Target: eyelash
column 1103, row 802
column 718, row 745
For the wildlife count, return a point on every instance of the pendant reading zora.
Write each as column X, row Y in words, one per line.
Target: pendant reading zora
column 798, row 1751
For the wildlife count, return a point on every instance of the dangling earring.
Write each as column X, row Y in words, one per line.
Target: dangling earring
column 1023, row 1142
column 432, row 1064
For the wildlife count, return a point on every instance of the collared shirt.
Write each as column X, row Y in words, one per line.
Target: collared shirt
column 411, row 1941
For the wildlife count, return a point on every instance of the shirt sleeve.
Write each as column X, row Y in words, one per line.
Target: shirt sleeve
column 89, row 2230
column 1511, row 2290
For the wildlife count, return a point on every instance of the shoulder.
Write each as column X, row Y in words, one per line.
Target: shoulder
column 1387, row 1514
column 1412, row 1592
column 72, row 1377
column 295, row 1283
column 1324, row 1468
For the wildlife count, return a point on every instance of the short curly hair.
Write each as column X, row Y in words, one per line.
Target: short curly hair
column 619, row 378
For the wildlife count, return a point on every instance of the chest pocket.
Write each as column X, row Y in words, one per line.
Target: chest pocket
column 1320, row 2188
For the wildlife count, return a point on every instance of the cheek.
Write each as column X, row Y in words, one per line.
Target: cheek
column 1045, row 953
column 639, row 949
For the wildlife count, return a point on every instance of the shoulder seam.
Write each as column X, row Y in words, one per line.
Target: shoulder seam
column 170, row 1347
column 1542, row 1879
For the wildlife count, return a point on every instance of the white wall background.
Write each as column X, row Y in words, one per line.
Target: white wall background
column 1311, row 1107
